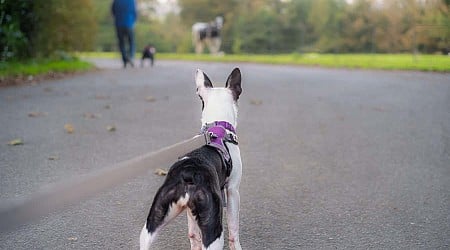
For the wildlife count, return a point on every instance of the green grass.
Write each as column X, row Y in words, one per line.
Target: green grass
column 363, row 61
column 438, row 63
column 41, row 67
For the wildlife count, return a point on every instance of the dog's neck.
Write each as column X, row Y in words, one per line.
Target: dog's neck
column 219, row 107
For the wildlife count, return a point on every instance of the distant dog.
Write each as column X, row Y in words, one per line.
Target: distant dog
column 207, row 34
column 148, row 53
column 202, row 181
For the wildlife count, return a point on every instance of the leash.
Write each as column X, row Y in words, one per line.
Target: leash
column 61, row 196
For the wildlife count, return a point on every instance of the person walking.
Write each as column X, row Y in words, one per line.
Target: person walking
column 125, row 15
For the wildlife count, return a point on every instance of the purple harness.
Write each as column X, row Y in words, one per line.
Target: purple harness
column 218, row 135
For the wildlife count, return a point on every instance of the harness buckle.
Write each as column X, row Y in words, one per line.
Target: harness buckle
column 207, row 138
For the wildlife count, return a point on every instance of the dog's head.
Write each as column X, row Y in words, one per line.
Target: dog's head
column 219, row 104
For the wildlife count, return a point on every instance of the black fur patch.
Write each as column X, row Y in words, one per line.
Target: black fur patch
column 234, row 83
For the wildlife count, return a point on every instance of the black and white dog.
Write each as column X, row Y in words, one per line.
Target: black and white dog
column 208, row 34
column 204, row 179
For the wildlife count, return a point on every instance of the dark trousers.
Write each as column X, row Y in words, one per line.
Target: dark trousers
column 126, row 35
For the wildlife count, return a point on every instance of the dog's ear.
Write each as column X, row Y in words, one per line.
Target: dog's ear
column 202, row 80
column 234, row 83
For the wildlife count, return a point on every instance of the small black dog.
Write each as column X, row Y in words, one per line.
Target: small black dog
column 148, row 53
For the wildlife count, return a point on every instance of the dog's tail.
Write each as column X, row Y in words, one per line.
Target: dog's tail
column 190, row 176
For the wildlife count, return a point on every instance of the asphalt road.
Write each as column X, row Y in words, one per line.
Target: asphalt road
column 333, row 158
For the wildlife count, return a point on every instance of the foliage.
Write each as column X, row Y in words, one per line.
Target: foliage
column 64, row 25
column 32, row 28
column 285, row 26
column 41, row 27
column 16, row 28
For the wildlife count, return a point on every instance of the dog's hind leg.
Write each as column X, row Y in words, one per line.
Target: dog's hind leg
column 168, row 203
column 233, row 200
column 206, row 207
column 233, row 218
column 195, row 236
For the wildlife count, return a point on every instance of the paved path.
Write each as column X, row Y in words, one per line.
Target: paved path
column 332, row 158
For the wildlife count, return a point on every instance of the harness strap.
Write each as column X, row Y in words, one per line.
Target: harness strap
column 218, row 134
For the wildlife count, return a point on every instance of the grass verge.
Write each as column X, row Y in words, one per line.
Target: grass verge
column 439, row 63
column 33, row 68
column 361, row 61
column 20, row 72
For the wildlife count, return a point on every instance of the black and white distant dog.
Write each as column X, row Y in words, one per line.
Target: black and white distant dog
column 204, row 179
column 207, row 34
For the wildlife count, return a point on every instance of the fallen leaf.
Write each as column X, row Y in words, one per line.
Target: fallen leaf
column 160, row 172
column 48, row 89
column 72, row 239
column 150, row 99
column 111, row 128
column 255, row 102
column 90, row 115
column 107, row 107
column 15, row 142
column 36, row 114
column 53, row 158
column 69, row 128
column 378, row 109
column 102, row 97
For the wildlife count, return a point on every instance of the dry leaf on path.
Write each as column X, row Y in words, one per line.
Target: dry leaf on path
column 36, row 114
column 111, row 128
column 53, row 158
column 150, row 99
column 255, row 102
column 102, row 97
column 160, row 172
column 15, row 142
column 48, row 89
column 72, row 239
column 69, row 128
column 90, row 115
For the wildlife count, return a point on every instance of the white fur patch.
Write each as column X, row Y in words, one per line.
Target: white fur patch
column 146, row 238
column 176, row 208
column 217, row 244
column 219, row 106
column 183, row 158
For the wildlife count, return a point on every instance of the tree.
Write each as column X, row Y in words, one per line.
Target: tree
column 64, row 25
column 360, row 27
column 17, row 23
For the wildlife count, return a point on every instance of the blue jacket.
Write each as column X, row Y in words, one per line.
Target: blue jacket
column 124, row 12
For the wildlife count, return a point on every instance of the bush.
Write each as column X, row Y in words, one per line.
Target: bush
column 16, row 29
column 71, row 26
column 38, row 28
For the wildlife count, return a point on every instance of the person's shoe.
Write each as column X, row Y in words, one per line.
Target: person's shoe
column 130, row 62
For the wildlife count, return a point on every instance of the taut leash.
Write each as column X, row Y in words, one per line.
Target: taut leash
column 61, row 196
